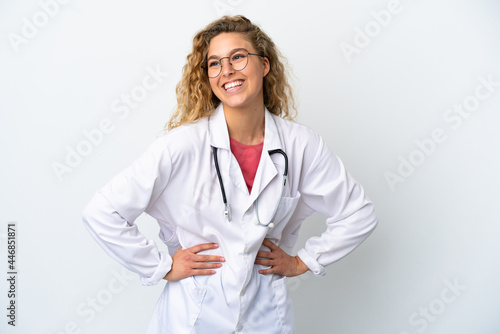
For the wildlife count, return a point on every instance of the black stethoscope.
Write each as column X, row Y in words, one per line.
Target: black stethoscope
column 227, row 210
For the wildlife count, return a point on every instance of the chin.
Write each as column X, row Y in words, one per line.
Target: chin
column 233, row 103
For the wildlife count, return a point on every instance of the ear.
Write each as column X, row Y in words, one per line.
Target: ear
column 267, row 66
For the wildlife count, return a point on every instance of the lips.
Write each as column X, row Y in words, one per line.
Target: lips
column 231, row 85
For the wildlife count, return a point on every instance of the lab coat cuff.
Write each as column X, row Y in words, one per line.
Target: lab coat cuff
column 313, row 265
column 160, row 272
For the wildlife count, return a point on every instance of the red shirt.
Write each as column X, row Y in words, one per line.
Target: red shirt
column 248, row 157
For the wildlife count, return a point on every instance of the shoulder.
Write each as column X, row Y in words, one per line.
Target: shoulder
column 187, row 130
column 309, row 149
column 294, row 132
column 186, row 137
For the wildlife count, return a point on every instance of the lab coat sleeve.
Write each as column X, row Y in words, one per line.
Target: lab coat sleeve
column 111, row 213
column 327, row 188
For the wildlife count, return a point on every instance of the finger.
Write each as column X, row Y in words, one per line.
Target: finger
column 209, row 258
column 266, row 271
column 264, row 262
column 197, row 272
column 269, row 244
column 207, row 265
column 267, row 255
column 202, row 247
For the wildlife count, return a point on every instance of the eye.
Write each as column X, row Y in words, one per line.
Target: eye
column 238, row 56
column 213, row 63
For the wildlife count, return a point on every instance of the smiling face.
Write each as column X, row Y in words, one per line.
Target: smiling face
column 238, row 89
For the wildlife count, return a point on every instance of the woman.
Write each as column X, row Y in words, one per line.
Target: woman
column 216, row 189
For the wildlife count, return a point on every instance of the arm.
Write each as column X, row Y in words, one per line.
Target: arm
column 327, row 188
column 111, row 213
column 281, row 263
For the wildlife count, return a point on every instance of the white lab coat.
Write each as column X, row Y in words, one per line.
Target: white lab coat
column 175, row 182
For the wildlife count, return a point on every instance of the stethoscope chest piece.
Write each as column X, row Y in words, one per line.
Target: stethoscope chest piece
column 270, row 225
column 227, row 212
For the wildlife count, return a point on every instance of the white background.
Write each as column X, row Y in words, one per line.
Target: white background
column 439, row 222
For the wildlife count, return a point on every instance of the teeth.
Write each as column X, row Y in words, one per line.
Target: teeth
column 233, row 84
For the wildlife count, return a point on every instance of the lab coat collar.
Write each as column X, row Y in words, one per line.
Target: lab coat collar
column 219, row 135
column 269, row 167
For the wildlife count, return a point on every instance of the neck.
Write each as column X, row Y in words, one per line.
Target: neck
column 246, row 126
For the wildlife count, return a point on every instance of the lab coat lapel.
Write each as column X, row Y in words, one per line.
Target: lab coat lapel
column 269, row 166
column 219, row 137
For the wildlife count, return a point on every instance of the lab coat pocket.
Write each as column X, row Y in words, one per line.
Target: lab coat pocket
column 283, row 214
column 190, row 299
column 283, row 305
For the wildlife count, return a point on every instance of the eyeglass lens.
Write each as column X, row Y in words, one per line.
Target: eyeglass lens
column 237, row 60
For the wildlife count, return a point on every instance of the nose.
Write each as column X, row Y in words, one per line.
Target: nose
column 226, row 67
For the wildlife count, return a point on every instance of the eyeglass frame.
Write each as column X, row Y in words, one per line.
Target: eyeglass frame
column 203, row 65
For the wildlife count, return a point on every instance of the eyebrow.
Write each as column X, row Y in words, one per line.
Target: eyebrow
column 230, row 52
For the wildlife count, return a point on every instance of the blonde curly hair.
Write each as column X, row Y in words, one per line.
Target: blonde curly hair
column 195, row 98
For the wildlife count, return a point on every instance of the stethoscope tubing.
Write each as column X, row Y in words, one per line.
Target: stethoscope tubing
column 227, row 210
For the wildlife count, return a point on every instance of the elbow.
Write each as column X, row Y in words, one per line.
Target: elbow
column 372, row 219
column 87, row 215
column 367, row 220
column 91, row 212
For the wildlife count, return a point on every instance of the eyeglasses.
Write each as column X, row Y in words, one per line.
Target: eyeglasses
column 238, row 60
